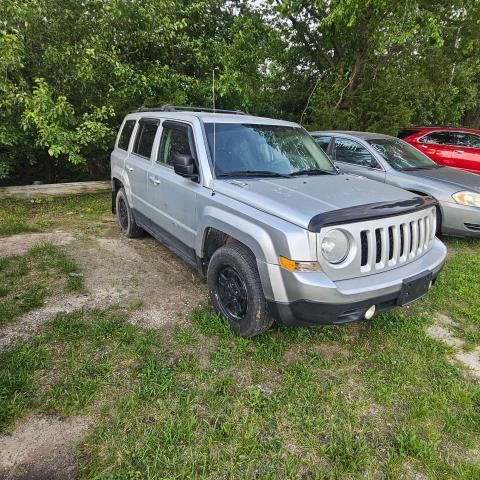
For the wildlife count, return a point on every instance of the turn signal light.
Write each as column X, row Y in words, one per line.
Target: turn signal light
column 294, row 266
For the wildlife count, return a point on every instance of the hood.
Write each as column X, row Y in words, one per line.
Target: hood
column 297, row 200
column 457, row 178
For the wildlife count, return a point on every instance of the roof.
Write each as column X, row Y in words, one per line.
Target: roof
column 449, row 128
column 209, row 117
column 362, row 135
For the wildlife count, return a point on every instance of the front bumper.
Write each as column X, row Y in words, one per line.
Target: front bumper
column 460, row 220
column 311, row 298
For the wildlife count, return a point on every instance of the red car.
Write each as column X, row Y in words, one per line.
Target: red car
column 450, row 146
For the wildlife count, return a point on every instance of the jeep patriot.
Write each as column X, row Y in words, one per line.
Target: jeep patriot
column 258, row 208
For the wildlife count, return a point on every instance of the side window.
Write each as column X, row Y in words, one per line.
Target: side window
column 174, row 140
column 349, row 151
column 465, row 139
column 439, row 138
column 145, row 137
column 323, row 142
column 125, row 135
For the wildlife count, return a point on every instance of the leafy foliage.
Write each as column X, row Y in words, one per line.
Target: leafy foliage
column 70, row 70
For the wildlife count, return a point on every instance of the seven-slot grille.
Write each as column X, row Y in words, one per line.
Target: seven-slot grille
column 397, row 243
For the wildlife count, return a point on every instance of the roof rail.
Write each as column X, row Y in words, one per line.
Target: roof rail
column 176, row 108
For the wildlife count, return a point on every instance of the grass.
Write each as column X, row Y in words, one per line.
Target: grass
column 378, row 399
column 370, row 400
column 21, row 216
column 457, row 293
column 26, row 280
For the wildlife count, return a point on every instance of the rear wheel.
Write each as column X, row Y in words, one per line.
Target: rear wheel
column 236, row 291
column 125, row 219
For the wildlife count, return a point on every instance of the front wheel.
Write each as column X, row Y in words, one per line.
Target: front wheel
column 236, row 291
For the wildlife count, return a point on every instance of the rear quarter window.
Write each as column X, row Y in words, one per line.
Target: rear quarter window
column 125, row 135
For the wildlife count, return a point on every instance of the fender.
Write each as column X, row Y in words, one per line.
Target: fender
column 252, row 235
column 120, row 174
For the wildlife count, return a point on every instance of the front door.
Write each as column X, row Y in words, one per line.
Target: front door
column 173, row 198
column 350, row 156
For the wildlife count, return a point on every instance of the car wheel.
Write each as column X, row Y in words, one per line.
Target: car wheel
column 125, row 218
column 236, row 291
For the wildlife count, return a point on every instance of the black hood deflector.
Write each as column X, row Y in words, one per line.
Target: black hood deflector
column 371, row 211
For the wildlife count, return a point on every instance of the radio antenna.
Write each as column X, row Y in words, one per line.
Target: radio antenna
column 214, row 131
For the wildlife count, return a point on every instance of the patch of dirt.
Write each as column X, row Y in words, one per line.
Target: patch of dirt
column 22, row 242
column 29, row 323
column 331, row 350
column 442, row 330
column 116, row 270
column 41, row 448
column 142, row 270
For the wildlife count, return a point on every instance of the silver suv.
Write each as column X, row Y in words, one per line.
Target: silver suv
column 256, row 206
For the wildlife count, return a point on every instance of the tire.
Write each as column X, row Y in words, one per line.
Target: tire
column 438, row 230
column 125, row 219
column 236, row 291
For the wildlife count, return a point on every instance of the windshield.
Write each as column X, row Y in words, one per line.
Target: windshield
column 265, row 150
column 402, row 156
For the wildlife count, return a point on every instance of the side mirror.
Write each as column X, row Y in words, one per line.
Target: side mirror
column 184, row 165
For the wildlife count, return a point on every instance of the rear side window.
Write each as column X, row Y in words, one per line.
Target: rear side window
column 174, row 140
column 145, row 136
column 407, row 132
column 323, row 142
column 439, row 138
column 127, row 130
column 466, row 139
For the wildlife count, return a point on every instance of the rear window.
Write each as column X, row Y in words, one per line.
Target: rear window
column 407, row 132
column 145, row 137
column 323, row 142
column 127, row 130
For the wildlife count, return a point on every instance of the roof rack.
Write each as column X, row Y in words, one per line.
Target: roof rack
column 176, row 108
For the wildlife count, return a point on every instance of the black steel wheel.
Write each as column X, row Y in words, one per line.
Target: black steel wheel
column 232, row 293
column 236, row 291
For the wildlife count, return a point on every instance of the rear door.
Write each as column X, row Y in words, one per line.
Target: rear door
column 351, row 156
column 138, row 163
column 468, row 151
column 173, row 198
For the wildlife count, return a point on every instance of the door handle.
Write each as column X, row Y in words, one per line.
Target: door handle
column 459, row 151
column 155, row 180
column 130, row 169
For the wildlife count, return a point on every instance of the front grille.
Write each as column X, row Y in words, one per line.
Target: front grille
column 396, row 243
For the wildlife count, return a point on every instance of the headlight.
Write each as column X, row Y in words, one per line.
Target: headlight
column 471, row 199
column 335, row 246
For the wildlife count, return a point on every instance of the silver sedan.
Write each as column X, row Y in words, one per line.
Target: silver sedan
column 393, row 161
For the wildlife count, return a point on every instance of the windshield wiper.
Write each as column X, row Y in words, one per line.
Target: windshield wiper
column 312, row 171
column 252, row 173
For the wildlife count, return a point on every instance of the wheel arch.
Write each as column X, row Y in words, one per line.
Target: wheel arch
column 220, row 227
